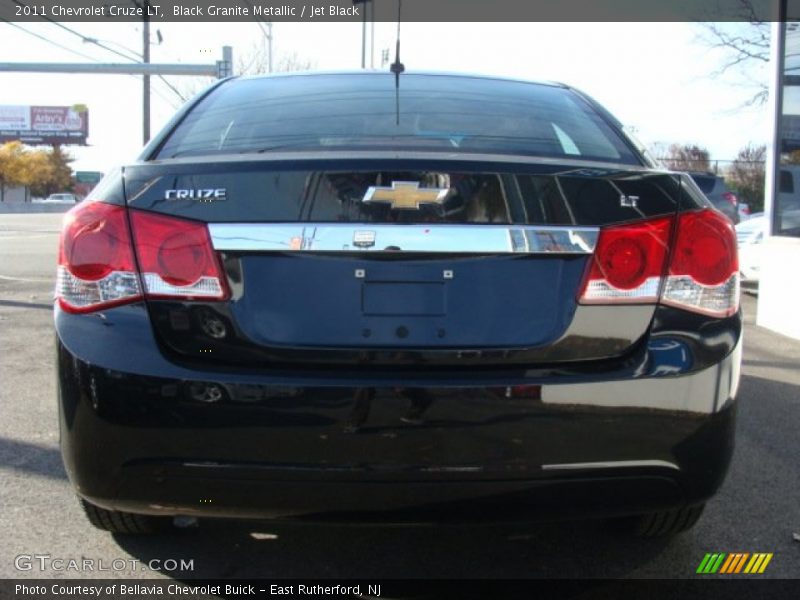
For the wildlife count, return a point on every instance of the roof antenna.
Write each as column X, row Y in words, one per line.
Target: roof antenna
column 397, row 67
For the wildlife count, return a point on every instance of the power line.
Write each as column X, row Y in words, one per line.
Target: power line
column 133, row 55
column 49, row 41
column 86, row 56
column 83, row 38
column 138, row 58
column 90, row 40
column 135, row 58
column 172, row 87
column 125, row 48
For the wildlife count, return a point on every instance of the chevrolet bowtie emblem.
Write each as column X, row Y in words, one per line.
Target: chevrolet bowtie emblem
column 406, row 195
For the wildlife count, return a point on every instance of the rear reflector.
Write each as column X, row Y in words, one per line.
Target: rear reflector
column 176, row 258
column 96, row 268
column 632, row 263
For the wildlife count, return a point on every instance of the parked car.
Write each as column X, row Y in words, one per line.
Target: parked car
column 481, row 302
column 750, row 236
column 717, row 191
column 750, row 241
column 744, row 211
column 62, row 198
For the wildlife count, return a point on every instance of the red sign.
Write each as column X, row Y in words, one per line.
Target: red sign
column 49, row 125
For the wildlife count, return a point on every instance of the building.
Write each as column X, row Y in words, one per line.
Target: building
column 779, row 282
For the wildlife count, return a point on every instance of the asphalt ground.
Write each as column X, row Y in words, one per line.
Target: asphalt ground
column 757, row 509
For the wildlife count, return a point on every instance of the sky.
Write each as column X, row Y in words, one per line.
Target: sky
column 657, row 78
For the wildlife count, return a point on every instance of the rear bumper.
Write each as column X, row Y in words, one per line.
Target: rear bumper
column 142, row 434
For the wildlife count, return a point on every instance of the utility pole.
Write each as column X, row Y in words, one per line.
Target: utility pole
column 221, row 69
column 372, row 36
column 366, row 5
column 364, row 37
column 269, row 39
column 146, row 78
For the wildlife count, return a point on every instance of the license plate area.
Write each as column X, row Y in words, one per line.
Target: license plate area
column 460, row 302
column 403, row 298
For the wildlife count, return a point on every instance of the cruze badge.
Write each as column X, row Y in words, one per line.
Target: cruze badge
column 206, row 195
column 406, row 195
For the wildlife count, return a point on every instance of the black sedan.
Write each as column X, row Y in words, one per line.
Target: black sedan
column 416, row 298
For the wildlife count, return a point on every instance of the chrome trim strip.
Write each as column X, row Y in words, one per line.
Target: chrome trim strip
column 371, row 237
column 612, row 464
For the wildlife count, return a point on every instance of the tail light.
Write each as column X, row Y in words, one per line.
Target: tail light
column 628, row 263
column 731, row 197
column 634, row 264
column 97, row 264
column 176, row 258
column 704, row 269
column 96, row 267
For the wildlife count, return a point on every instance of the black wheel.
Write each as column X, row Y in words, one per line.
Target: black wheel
column 124, row 522
column 666, row 522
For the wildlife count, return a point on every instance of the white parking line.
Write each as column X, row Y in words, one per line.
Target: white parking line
column 20, row 236
column 7, row 278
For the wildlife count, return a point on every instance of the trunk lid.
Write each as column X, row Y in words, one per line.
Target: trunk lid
column 392, row 261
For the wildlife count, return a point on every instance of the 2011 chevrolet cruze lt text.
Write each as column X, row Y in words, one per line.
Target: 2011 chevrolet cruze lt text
column 420, row 297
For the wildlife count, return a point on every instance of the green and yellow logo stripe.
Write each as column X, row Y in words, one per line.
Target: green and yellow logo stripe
column 735, row 562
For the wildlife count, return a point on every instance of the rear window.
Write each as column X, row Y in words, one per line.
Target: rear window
column 430, row 113
column 705, row 182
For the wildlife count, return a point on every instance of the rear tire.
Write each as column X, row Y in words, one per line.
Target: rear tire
column 666, row 522
column 124, row 522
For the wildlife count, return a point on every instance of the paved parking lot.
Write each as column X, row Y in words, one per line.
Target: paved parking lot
column 758, row 509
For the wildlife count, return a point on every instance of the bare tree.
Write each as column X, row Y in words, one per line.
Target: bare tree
column 256, row 62
column 742, row 44
column 747, row 174
column 684, row 157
